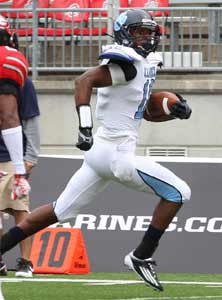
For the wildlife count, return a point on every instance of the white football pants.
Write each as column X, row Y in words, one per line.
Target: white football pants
column 107, row 161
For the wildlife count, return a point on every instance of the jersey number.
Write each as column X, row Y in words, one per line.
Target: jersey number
column 146, row 94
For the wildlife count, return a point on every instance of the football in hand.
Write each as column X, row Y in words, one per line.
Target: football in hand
column 159, row 105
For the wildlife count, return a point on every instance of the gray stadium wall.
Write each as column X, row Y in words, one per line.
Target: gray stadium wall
column 199, row 135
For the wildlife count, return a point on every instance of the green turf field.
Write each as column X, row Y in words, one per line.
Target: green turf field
column 115, row 286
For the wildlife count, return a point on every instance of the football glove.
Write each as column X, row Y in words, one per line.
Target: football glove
column 181, row 110
column 85, row 139
column 20, row 187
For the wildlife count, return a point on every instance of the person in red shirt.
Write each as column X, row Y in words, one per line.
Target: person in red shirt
column 13, row 73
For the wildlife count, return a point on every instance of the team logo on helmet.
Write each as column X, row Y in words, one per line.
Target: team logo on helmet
column 120, row 21
column 125, row 26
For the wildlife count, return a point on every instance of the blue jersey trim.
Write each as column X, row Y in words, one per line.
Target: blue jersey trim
column 161, row 188
column 116, row 56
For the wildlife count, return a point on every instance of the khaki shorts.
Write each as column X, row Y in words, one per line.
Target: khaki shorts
column 6, row 203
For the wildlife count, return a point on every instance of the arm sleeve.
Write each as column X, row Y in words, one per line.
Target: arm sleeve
column 121, row 72
column 31, row 131
column 117, row 74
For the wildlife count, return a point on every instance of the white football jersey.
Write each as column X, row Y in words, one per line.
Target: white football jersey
column 120, row 108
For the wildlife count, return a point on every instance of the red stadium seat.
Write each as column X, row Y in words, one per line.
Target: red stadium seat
column 16, row 4
column 54, row 31
column 90, row 31
column 68, row 32
column 103, row 4
column 153, row 4
column 23, row 31
column 75, row 17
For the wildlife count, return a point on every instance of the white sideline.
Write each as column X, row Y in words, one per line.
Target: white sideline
column 175, row 298
column 108, row 282
column 104, row 281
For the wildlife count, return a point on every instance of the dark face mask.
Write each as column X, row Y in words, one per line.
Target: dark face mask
column 8, row 40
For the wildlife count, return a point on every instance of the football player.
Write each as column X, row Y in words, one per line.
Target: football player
column 124, row 80
column 13, row 73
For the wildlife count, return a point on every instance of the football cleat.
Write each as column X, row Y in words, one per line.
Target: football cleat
column 144, row 268
column 24, row 268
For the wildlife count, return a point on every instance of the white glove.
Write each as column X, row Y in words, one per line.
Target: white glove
column 20, row 187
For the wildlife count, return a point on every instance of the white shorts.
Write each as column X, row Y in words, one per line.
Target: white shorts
column 107, row 161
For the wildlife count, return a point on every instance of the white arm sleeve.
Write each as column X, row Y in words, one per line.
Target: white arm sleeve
column 117, row 74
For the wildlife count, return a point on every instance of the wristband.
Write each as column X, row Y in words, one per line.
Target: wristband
column 85, row 116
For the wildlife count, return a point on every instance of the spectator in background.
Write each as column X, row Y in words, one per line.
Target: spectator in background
column 16, row 105
column 13, row 73
column 19, row 209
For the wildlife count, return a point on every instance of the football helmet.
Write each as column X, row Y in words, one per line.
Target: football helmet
column 127, row 22
column 7, row 37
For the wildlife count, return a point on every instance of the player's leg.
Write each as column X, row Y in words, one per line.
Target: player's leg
column 147, row 176
column 24, row 267
column 80, row 190
column 3, row 267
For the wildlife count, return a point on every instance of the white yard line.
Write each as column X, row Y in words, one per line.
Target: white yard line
column 1, row 294
column 104, row 281
column 174, row 298
column 192, row 282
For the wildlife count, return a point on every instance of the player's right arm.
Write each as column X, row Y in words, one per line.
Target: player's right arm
column 116, row 68
column 95, row 77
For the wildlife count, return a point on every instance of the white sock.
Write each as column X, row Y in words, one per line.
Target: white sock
column 14, row 142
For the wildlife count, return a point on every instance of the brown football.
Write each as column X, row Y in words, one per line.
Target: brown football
column 159, row 104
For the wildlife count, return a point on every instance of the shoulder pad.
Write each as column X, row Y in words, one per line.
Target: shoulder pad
column 119, row 52
column 155, row 58
column 14, row 65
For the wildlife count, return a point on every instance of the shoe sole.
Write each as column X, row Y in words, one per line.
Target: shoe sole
column 23, row 274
